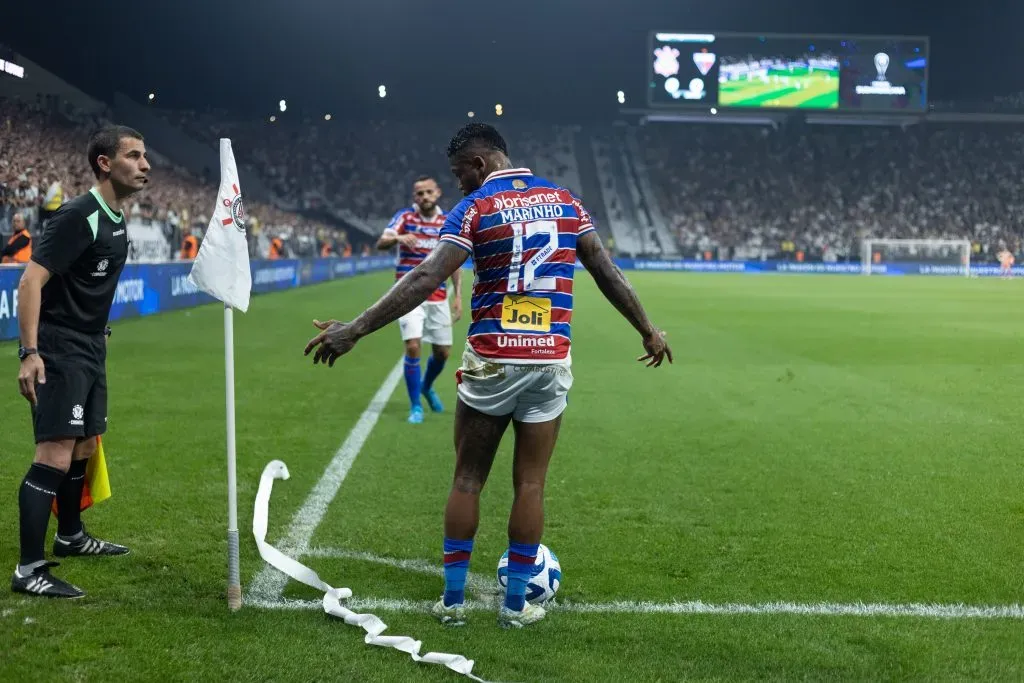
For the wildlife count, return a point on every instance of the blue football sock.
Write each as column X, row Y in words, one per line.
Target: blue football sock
column 456, row 565
column 412, row 380
column 434, row 368
column 521, row 558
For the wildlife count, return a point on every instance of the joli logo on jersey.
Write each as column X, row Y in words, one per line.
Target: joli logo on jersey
column 525, row 313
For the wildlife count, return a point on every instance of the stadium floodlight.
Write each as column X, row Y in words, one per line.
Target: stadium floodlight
column 933, row 256
column 470, row 114
column 282, row 105
column 327, row 117
column 498, row 110
column 621, row 97
column 273, row 119
column 382, row 91
column 152, row 96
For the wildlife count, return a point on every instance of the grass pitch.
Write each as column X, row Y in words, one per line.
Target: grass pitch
column 818, row 440
column 799, row 88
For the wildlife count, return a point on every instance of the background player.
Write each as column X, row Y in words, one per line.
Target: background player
column 525, row 235
column 416, row 231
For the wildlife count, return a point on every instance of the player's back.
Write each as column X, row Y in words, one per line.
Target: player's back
column 522, row 232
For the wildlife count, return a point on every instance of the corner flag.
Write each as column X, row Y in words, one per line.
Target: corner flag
column 221, row 269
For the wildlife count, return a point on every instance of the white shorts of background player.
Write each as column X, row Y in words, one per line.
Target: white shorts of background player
column 431, row 322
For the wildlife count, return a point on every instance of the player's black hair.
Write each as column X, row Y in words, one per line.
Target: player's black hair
column 424, row 177
column 477, row 135
column 105, row 142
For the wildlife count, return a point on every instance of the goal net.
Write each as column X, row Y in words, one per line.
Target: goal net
column 950, row 257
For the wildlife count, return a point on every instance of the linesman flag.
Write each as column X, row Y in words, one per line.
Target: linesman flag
column 221, row 268
column 97, row 482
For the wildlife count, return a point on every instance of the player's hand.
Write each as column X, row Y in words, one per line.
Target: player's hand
column 336, row 339
column 657, row 349
column 456, row 310
column 32, row 372
column 407, row 240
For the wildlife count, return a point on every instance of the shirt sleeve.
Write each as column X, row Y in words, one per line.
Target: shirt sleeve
column 395, row 225
column 19, row 243
column 460, row 226
column 64, row 238
column 586, row 223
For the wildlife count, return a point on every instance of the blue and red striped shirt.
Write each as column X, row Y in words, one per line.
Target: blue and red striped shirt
column 521, row 231
column 411, row 222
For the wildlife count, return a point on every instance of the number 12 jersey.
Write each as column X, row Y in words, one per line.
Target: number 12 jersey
column 521, row 231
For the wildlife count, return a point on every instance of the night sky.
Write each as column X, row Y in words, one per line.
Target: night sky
column 541, row 59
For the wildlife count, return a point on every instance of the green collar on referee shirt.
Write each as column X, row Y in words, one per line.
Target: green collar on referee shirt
column 117, row 218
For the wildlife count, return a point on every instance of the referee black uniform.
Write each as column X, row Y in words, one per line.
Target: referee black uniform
column 84, row 246
column 78, row 258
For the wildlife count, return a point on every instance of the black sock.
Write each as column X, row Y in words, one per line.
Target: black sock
column 34, row 500
column 69, row 499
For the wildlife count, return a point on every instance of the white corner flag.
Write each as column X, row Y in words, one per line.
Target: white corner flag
column 221, row 269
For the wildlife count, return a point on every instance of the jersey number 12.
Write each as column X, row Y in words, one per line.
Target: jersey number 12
column 520, row 233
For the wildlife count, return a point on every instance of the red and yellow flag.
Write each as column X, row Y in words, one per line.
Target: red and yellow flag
column 97, row 483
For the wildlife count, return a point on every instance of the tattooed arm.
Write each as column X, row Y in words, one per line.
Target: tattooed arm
column 619, row 292
column 338, row 338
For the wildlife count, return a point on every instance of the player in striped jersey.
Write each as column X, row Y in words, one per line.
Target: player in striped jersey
column 415, row 230
column 525, row 235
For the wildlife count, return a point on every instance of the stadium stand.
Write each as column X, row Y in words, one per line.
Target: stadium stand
column 697, row 191
column 42, row 144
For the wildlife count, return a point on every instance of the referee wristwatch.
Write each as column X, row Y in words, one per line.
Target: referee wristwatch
column 25, row 352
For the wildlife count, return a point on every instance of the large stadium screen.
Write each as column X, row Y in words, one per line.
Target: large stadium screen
column 749, row 71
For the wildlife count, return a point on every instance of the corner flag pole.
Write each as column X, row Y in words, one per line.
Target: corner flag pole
column 234, row 583
column 221, row 269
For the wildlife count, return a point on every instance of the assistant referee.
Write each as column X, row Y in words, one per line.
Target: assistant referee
column 64, row 301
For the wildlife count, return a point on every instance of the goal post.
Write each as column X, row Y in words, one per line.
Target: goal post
column 950, row 256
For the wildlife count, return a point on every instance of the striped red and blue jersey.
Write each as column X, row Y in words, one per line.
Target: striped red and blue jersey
column 521, row 231
column 427, row 231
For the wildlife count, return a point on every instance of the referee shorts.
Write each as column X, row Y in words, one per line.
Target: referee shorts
column 73, row 401
column 531, row 393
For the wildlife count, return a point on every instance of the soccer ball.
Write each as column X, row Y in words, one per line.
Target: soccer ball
column 547, row 576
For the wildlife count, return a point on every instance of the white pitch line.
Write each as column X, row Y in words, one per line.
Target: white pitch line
column 475, row 582
column 829, row 609
column 269, row 583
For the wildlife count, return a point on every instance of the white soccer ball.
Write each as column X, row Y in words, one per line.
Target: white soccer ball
column 547, row 576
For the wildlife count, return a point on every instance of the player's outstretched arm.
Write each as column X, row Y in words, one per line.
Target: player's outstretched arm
column 338, row 338
column 616, row 288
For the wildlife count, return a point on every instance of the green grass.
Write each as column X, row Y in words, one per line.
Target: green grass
column 819, row 438
column 802, row 89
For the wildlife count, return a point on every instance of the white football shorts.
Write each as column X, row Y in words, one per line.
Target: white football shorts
column 431, row 321
column 531, row 393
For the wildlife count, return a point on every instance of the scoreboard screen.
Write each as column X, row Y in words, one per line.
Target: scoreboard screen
column 805, row 72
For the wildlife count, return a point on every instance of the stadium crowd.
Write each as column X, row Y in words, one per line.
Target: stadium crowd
column 728, row 191
column 42, row 151
column 751, row 192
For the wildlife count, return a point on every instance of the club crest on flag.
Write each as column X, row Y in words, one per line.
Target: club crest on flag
column 237, row 210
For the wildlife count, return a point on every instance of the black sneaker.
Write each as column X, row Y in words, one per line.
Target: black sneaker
column 86, row 545
column 42, row 582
